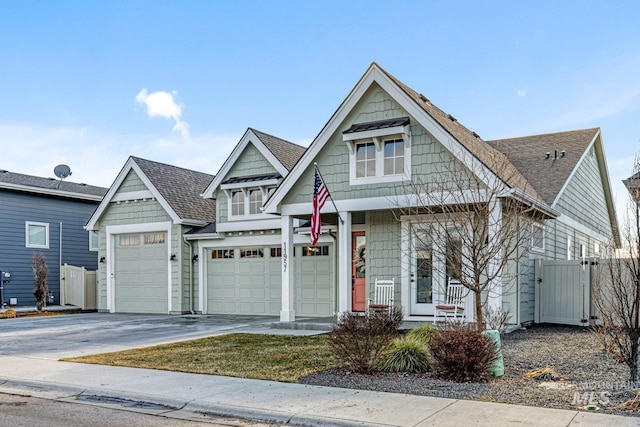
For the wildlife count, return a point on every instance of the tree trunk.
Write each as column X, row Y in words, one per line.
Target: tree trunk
column 479, row 314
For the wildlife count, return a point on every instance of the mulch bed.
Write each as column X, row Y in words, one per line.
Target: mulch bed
column 591, row 376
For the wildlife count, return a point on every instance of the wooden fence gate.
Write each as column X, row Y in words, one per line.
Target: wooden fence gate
column 563, row 292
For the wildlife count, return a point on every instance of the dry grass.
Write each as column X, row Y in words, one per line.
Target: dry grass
column 269, row 357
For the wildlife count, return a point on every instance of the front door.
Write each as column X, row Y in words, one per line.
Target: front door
column 433, row 263
column 358, row 271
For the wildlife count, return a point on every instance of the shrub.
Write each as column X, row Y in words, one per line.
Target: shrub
column 463, row 354
column 496, row 318
column 423, row 334
column 360, row 340
column 40, row 273
column 9, row 313
column 407, row 355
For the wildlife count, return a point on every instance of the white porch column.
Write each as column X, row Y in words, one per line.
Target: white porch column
column 344, row 263
column 494, row 295
column 287, row 313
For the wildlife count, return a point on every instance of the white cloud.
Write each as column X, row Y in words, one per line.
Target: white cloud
column 163, row 104
column 522, row 92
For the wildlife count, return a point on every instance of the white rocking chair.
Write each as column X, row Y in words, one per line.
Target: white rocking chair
column 454, row 302
column 383, row 296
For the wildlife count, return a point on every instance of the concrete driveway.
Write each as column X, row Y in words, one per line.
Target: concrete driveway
column 55, row 337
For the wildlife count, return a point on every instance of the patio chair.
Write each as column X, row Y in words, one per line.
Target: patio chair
column 453, row 304
column 383, row 296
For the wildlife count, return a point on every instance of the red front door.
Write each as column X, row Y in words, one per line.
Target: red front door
column 358, row 271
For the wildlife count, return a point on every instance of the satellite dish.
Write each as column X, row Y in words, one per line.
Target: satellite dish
column 62, row 171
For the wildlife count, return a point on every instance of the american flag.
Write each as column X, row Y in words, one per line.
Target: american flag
column 320, row 195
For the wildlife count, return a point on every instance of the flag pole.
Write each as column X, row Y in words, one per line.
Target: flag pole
column 315, row 165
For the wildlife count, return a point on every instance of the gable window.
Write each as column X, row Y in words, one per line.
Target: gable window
column 37, row 235
column 247, row 201
column 93, row 240
column 255, row 201
column 365, row 160
column 379, row 151
column 394, row 157
column 537, row 237
column 237, row 203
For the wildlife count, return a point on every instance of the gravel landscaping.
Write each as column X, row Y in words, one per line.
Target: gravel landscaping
column 591, row 376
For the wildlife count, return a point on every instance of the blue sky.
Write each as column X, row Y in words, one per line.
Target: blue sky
column 89, row 83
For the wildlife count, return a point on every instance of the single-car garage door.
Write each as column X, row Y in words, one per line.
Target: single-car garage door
column 141, row 273
column 314, row 273
column 244, row 280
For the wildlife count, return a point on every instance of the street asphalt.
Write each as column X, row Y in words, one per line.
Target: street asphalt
column 29, row 366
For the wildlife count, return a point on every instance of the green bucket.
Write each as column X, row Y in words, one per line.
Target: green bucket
column 497, row 368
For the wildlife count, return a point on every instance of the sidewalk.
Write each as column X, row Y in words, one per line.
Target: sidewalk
column 192, row 396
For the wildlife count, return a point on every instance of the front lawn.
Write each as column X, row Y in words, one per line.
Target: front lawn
column 267, row 357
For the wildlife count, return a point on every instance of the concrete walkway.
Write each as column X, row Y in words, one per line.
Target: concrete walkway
column 194, row 397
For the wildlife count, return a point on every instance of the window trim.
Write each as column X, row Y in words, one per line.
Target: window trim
column 246, row 190
column 27, row 244
column 379, row 138
column 92, row 233
column 534, row 248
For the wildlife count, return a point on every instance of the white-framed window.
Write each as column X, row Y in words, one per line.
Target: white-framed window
column 537, row 237
column 379, row 151
column 365, row 159
column 36, row 235
column 237, row 203
column 583, row 251
column 394, row 157
column 596, row 248
column 255, row 201
column 244, row 202
column 569, row 244
column 93, row 240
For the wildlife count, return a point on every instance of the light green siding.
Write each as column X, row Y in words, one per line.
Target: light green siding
column 383, row 251
column 429, row 159
column 132, row 182
column 141, row 212
column 250, row 162
column 584, row 199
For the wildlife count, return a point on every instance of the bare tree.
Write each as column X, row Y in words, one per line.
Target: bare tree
column 617, row 286
column 476, row 222
column 40, row 273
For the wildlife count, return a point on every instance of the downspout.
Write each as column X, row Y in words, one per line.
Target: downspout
column 59, row 263
column 190, row 274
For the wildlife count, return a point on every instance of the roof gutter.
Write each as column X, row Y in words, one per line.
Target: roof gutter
column 59, row 193
column 543, row 208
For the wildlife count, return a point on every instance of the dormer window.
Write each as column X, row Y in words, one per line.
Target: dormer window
column 379, row 151
column 237, row 203
column 246, row 195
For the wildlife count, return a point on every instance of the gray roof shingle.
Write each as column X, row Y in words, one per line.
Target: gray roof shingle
column 286, row 152
column 181, row 188
column 546, row 175
column 51, row 184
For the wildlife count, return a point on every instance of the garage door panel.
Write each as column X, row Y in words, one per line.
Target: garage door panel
column 140, row 274
column 314, row 283
column 256, row 282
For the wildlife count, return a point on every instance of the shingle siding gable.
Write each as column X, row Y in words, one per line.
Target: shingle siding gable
column 583, row 198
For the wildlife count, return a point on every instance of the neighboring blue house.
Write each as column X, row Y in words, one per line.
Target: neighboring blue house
column 46, row 215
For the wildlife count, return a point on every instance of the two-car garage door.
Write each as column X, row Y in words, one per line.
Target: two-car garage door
column 141, row 273
column 248, row 280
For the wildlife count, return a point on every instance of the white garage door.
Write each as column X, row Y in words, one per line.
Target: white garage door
column 314, row 290
column 141, row 273
column 244, row 281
